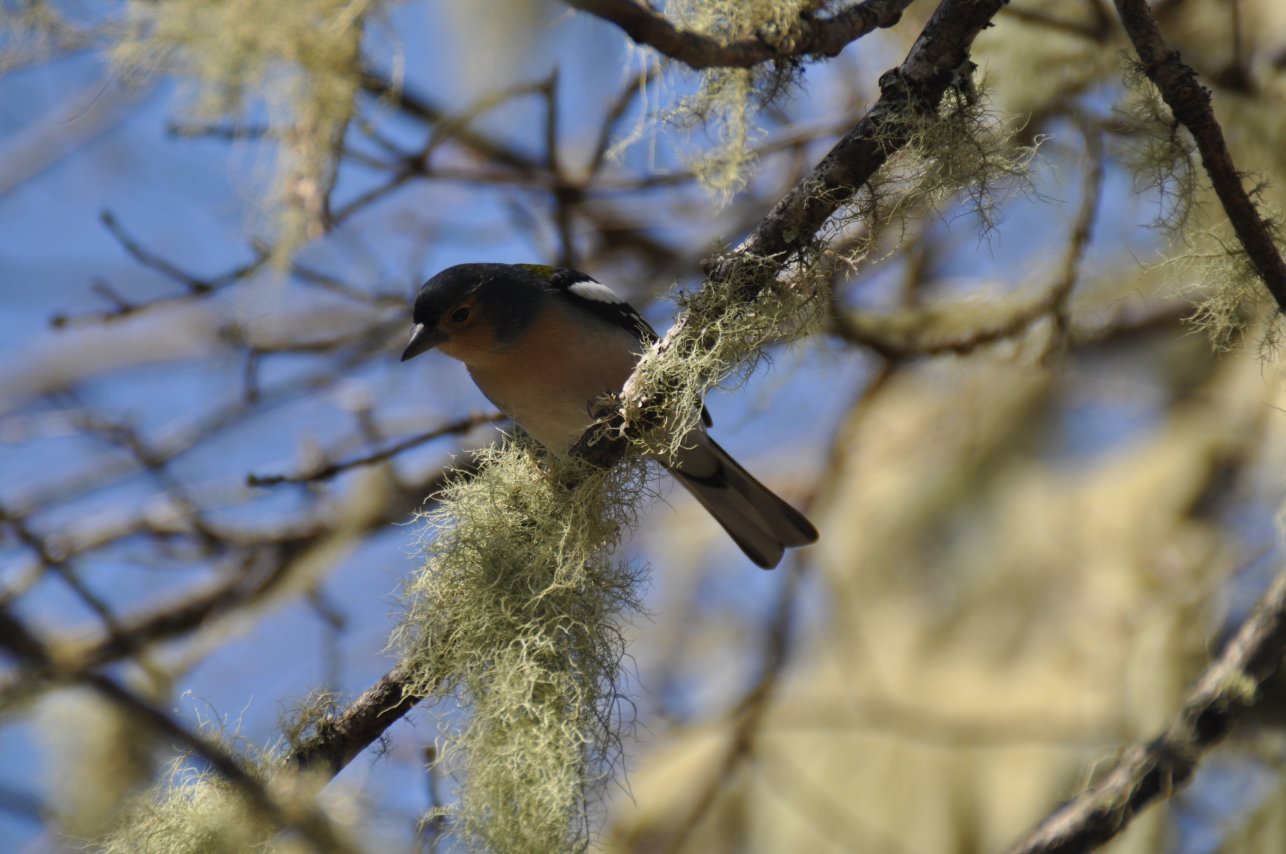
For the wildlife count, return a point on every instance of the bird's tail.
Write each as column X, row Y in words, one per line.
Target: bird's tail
column 761, row 523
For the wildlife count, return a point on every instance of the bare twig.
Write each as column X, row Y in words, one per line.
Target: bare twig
column 326, row 472
column 194, row 286
column 151, row 259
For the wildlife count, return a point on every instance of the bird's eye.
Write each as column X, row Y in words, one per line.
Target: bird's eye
column 460, row 315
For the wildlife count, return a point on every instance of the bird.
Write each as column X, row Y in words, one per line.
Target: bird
column 545, row 343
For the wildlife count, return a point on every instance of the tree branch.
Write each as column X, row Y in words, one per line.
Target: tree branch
column 1156, row 769
column 915, row 87
column 338, row 740
column 817, row 36
column 1190, row 103
column 331, row 469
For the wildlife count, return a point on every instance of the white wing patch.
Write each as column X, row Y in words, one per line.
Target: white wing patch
column 595, row 292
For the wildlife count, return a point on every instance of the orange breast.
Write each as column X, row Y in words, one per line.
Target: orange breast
column 548, row 379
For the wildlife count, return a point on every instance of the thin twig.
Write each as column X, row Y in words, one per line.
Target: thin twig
column 326, row 472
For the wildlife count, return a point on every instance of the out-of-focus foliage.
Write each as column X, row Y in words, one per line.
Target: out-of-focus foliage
column 295, row 65
column 536, row 653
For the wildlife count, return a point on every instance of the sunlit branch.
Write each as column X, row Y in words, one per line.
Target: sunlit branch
column 917, row 86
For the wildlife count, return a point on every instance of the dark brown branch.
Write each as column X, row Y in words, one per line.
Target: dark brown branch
column 1158, row 768
column 1190, row 103
column 936, row 61
column 817, row 36
column 338, row 740
column 933, row 65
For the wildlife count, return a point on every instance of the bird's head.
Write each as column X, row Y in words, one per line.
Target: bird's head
column 471, row 309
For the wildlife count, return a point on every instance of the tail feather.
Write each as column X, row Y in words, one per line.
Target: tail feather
column 762, row 524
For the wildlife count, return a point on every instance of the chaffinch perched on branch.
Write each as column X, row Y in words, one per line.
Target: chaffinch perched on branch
column 544, row 344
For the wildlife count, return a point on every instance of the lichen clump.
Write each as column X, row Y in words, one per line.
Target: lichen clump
column 727, row 98
column 517, row 613
column 190, row 813
column 291, row 63
column 1230, row 295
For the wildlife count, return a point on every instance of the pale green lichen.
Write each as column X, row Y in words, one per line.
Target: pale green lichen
column 296, row 61
column 1230, row 295
column 1229, row 292
column 31, row 31
column 1161, row 154
column 299, row 721
column 517, row 613
column 725, row 342
column 962, row 147
column 727, row 99
column 191, row 812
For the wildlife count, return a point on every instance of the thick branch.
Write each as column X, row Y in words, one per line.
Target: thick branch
column 338, row 740
column 915, row 87
column 816, row 37
column 938, row 57
column 1190, row 103
column 1159, row 767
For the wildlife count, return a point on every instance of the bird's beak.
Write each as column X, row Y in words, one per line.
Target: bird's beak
column 423, row 339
